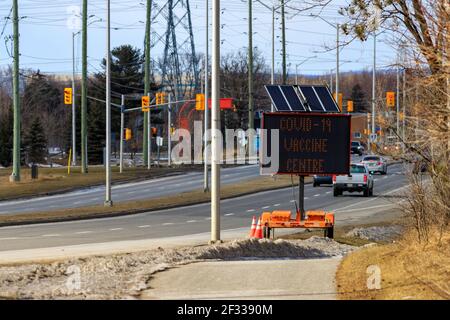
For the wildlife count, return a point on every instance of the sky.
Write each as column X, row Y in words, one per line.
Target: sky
column 46, row 39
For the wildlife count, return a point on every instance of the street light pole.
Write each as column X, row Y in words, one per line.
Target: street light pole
column 250, row 65
column 215, row 126
column 108, row 201
column 337, row 66
column 122, row 128
column 74, row 132
column 205, row 160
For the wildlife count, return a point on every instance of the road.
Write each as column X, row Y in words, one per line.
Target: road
column 236, row 213
column 154, row 188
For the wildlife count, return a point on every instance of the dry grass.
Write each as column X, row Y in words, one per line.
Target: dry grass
column 409, row 270
column 56, row 180
column 139, row 206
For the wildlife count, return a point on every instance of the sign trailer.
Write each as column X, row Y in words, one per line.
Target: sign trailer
column 309, row 143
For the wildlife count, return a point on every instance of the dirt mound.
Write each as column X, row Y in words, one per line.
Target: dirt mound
column 125, row 276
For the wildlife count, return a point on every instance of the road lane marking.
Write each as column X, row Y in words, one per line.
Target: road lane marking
column 209, row 218
column 328, row 192
column 265, row 207
column 11, row 238
column 145, row 226
column 168, row 224
column 83, row 232
column 115, row 229
column 51, row 235
column 229, row 214
column 277, row 205
column 316, row 195
column 191, row 221
column 251, row 210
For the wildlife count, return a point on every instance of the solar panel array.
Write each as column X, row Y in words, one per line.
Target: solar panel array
column 302, row 98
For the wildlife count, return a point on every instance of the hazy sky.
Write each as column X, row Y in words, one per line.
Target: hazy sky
column 46, row 40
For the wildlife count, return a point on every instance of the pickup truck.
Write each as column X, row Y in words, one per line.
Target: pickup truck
column 359, row 180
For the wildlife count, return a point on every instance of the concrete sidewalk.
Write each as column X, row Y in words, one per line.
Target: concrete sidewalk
column 308, row 279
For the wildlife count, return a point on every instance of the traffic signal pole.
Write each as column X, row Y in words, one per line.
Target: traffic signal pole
column 149, row 137
column 169, row 133
column 206, row 153
column 74, row 131
column 15, row 176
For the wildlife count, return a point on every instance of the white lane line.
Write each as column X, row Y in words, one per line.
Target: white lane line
column 229, row 214
column 145, row 226
column 115, row 229
column 168, row 224
column 276, row 204
column 328, row 192
column 78, row 202
column 317, row 195
column 292, row 201
column 385, row 177
column 95, row 199
column 251, row 210
column 372, row 207
column 83, row 232
column 51, row 235
column 191, row 221
column 130, row 192
column 265, row 207
column 208, row 218
column 306, row 198
column 12, row 238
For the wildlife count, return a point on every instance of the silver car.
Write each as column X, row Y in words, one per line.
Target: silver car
column 375, row 164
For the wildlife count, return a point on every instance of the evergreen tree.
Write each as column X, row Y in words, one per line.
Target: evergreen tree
column 6, row 139
column 35, row 143
column 359, row 98
column 96, row 138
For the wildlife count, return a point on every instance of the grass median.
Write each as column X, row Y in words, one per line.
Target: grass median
column 409, row 270
column 250, row 186
column 57, row 180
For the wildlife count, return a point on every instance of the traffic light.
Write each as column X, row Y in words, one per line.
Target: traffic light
column 154, row 132
column 160, row 98
column 390, row 99
column 128, row 134
column 145, row 104
column 68, row 96
column 350, row 106
column 200, row 102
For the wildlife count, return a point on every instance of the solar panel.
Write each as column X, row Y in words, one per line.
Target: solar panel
column 327, row 99
column 278, row 99
column 292, row 98
column 311, row 98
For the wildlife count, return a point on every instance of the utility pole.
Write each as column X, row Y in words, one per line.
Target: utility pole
column 250, row 66
column 146, row 134
column 122, row 128
column 373, row 81
column 108, row 200
column 84, row 161
column 15, row 176
column 206, row 154
column 215, row 126
column 74, row 122
column 404, row 109
column 283, row 40
column 272, row 76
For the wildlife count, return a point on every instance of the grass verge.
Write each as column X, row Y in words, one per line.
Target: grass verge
column 409, row 270
column 259, row 184
column 56, row 180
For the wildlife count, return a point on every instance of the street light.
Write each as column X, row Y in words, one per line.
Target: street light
column 108, row 200
column 337, row 27
column 299, row 64
column 74, row 132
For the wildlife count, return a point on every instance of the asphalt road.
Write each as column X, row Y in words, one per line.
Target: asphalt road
column 236, row 213
column 154, row 188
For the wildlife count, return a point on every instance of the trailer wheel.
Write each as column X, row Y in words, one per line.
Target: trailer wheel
column 329, row 232
column 266, row 232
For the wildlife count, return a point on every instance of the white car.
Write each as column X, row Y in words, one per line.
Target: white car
column 375, row 164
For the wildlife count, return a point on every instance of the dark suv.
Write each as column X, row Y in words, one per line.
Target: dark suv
column 357, row 148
